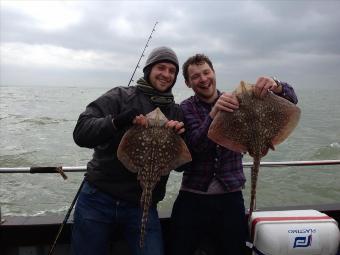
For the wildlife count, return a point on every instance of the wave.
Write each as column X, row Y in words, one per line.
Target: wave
column 13, row 116
column 335, row 145
column 47, row 212
column 332, row 151
column 19, row 118
column 20, row 159
column 44, row 121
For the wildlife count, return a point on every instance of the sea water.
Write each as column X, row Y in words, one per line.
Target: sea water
column 36, row 125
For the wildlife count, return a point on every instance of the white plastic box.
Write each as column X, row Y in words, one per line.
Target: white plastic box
column 298, row 232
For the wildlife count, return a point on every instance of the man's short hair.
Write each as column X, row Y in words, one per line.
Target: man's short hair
column 197, row 59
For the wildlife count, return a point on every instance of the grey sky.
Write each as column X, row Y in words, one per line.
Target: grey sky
column 98, row 43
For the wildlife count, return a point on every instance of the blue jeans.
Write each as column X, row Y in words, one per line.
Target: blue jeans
column 97, row 216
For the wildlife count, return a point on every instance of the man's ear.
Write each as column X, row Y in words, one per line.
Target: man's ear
column 188, row 84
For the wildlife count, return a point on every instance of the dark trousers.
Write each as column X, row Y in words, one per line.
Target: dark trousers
column 220, row 218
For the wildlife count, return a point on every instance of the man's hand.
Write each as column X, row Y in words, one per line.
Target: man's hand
column 141, row 120
column 125, row 119
column 264, row 85
column 177, row 126
column 226, row 102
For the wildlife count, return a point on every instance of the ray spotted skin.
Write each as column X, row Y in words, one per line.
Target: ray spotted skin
column 151, row 152
column 257, row 126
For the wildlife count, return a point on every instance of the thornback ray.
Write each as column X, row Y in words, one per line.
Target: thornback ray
column 151, row 152
column 257, row 125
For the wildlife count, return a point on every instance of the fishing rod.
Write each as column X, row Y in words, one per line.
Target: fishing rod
column 141, row 56
column 67, row 216
column 60, row 169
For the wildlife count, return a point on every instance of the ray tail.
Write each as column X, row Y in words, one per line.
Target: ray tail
column 145, row 204
column 254, row 175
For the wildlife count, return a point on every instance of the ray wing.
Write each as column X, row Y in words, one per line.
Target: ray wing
column 261, row 122
column 161, row 145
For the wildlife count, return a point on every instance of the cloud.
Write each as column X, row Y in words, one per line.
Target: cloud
column 49, row 15
column 295, row 39
column 49, row 56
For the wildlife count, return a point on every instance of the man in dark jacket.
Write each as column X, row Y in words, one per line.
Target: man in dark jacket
column 111, row 194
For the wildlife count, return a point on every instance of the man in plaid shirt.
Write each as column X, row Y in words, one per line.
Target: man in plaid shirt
column 210, row 201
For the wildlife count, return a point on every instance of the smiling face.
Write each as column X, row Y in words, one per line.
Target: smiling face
column 162, row 76
column 201, row 78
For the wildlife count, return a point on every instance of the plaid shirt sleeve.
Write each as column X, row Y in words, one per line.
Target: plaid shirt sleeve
column 288, row 92
column 197, row 121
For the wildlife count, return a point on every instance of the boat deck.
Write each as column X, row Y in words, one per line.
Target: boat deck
column 34, row 235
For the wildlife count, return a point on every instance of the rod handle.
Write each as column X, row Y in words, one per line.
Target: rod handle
column 48, row 169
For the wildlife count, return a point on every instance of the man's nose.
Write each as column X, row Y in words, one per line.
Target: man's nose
column 167, row 73
column 203, row 78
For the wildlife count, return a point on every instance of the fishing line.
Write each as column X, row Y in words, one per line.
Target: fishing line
column 142, row 55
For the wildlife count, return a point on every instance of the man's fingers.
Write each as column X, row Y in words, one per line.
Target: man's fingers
column 263, row 85
column 170, row 124
column 181, row 131
column 226, row 106
column 176, row 125
column 140, row 120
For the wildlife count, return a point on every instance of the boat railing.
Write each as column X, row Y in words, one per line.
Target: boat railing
column 60, row 169
column 332, row 209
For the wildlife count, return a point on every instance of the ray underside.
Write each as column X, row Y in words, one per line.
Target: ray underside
column 255, row 127
column 151, row 152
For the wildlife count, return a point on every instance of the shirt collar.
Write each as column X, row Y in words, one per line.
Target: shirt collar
column 198, row 100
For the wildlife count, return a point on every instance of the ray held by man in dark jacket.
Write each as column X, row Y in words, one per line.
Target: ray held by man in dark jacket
column 151, row 152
